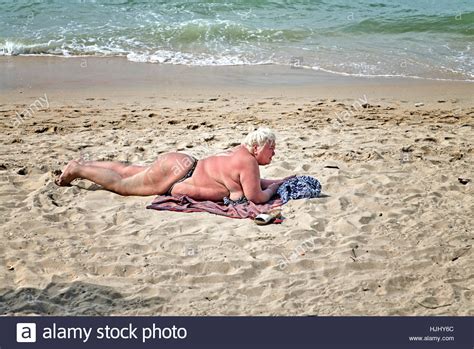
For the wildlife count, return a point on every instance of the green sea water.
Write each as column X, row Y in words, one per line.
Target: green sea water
column 424, row 38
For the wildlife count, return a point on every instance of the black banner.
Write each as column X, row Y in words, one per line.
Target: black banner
column 236, row 332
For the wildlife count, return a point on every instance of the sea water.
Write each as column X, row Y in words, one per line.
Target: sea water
column 414, row 38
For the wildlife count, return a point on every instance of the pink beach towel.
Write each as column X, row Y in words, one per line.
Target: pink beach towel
column 184, row 203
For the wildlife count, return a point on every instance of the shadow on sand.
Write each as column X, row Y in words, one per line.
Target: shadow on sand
column 77, row 298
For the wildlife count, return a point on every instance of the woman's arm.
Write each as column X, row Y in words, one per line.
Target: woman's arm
column 251, row 183
column 267, row 182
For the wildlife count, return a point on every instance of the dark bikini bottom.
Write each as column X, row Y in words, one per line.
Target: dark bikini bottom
column 229, row 202
column 186, row 176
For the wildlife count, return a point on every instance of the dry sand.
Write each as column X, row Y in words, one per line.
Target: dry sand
column 391, row 236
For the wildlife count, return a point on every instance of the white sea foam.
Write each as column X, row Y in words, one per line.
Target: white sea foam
column 234, row 57
column 172, row 57
column 11, row 48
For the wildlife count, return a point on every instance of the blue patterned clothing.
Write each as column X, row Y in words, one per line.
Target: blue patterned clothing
column 299, row 187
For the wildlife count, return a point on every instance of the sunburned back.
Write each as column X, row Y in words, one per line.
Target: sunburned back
column 216, row 176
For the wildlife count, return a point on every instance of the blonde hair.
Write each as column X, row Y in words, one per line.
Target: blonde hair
column 259, row 137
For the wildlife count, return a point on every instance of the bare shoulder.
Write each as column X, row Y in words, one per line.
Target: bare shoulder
column 243, row 160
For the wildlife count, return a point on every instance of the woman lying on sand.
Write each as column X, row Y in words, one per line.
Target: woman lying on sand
column 233, row 175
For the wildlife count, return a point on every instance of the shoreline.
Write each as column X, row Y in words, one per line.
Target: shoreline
column 289, row 66
column 68, row 77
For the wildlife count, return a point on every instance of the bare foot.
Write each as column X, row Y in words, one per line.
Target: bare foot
column 68, row 174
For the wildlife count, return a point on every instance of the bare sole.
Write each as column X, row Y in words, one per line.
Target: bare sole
column 67, row 175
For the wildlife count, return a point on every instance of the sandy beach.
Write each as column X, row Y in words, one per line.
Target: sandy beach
column 392, row 234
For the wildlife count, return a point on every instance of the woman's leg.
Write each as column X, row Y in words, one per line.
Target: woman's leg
column 122, row 169
column 155, row 179
column 140, row 184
